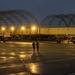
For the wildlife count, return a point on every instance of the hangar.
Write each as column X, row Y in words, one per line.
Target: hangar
column 22, row 23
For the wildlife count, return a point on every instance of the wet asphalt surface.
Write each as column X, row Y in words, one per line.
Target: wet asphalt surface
column 18, row 58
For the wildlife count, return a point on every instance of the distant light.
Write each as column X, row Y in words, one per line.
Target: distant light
column 12, row 28
column 33, row 28
column 3, row 28
column 23, row 28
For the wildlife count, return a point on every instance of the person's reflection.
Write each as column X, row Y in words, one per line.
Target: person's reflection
column 37, row 57
column 34, row 57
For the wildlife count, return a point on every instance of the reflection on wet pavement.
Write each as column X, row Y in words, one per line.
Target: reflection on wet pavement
column 21, row 73
column 53, row 59
column 37, row 57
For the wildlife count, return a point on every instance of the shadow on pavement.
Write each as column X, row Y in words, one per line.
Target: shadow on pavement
column 37, row 57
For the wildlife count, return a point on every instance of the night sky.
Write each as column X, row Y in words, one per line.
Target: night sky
column 40, row 8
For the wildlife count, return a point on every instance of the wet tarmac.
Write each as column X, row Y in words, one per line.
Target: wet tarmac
column 18, row 58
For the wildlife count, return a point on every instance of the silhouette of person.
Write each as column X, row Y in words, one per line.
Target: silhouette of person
column 33, row 45
column 37, row 45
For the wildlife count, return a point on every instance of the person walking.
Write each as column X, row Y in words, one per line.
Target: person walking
column 37, row 45
column 33, row 45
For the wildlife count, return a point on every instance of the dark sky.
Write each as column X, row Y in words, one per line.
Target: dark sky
column 40, row 8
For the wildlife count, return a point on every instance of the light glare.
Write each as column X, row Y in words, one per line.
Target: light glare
column 33, row 28
column 23, row 28
column 12, row 28
column 3, row 28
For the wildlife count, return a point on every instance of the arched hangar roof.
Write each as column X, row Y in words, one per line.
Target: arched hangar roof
column 17, row 17
column 62, row 20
